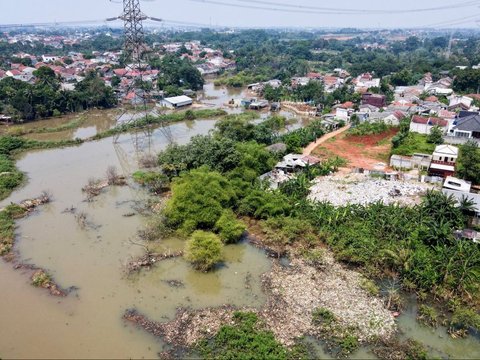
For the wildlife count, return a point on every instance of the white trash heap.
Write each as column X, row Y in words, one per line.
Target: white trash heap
column 362, row 189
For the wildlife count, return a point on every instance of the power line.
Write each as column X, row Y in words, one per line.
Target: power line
column 368, row 11
column 458, row 21
column 305, row 9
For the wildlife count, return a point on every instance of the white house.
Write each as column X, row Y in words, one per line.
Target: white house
column 443, row 161
column 176, row 102
column 458, row 99
column 423, row 125
column 445, row 153
column 343, row 114
column 49, row 58
column 453, row 183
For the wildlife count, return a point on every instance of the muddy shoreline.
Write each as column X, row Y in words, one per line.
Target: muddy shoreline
column 294, row 292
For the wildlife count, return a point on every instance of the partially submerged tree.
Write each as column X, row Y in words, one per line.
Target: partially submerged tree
column 203, row 250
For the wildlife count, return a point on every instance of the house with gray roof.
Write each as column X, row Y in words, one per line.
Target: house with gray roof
column 466, row 127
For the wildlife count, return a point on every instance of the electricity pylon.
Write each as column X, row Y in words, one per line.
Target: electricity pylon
column 136, row 62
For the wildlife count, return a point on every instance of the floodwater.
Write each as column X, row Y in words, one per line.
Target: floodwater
column 88, row 323
column 437, row 340
column 92, row 122
column 89, row 124
column 218, row 97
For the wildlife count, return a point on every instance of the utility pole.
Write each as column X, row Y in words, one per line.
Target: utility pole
column 134, row 50
column 134, row 36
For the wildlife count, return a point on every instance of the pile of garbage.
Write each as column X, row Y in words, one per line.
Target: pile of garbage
column 362, row 189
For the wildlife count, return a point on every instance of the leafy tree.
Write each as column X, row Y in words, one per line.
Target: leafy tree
column 92, row 92
column 435, row 136
column 115, row 81
column 189, row 209
column 468, row 166
column 402, row 78
column 467, row 81
column 230, row 230
column 217, row 153
column 203, row 250
column 273, row 94
column 178, row 73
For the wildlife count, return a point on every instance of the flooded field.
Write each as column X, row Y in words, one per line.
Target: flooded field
column 88, row 323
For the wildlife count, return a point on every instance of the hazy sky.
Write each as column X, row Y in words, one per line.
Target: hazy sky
column 40, row 11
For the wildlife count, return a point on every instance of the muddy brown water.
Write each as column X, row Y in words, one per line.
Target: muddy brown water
column 88, row 323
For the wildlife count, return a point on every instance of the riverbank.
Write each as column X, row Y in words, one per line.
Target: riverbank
column 295, row 294
column 12, row 146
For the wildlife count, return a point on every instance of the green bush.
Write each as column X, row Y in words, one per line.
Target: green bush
column 369, row 128
column 370, row 287
column 244, row 339
column 262, row 205
column 323, row 317
column 349, row 344
column 203, row 250
column 427, row 315
column 7, row 226
column 229, row 228
column 412, row 143
column 198, row 200
column 465, row 318
column 10, row 177
column 288, row 230
column 41, row 279
column 154, row 181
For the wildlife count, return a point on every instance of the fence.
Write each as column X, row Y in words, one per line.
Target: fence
column 455, row 140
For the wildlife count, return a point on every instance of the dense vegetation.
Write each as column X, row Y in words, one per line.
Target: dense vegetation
column 417, row 244
column 262, row 55
column 246, row 338
column 10, row 177
column 7, row 227
column 469, row 162
column 176, row 74
column 23, row 101
column 369, row 128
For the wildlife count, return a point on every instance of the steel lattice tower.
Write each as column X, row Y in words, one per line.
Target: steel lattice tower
column 134, row 50
column 134, row 36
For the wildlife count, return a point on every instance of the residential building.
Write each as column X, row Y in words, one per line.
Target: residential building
column 443, row 161
column 176, row 102
column 424, row 125
column 466, row 127
column 374, row 100
column 49, row 58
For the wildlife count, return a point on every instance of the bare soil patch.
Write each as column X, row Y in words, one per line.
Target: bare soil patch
column 360, row 151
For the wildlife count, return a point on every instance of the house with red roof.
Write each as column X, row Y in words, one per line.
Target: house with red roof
column 13, row 72
column 314, row 76
column 344, row 111
column 424, row 125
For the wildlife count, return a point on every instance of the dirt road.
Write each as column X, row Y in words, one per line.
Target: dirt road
column 308, row 150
